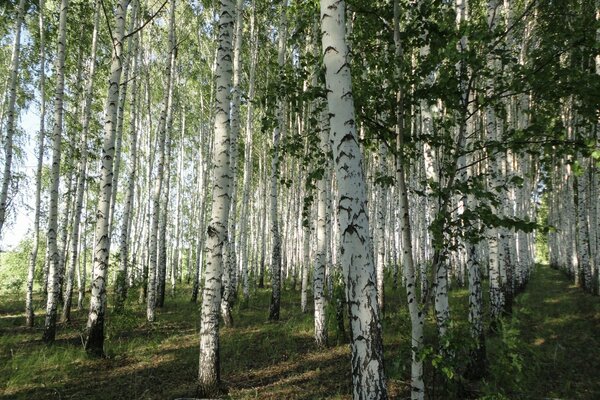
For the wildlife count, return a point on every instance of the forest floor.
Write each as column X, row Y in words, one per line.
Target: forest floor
column 548, row 348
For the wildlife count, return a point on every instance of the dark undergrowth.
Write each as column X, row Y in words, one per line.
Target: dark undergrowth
column 548, row 348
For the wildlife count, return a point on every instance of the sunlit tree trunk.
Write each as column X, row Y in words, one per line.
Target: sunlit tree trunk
column 209, row 374
column 368, row 378
column 53, row 253
column 94, row 340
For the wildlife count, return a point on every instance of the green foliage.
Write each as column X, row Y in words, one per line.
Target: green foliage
column 506, row 370
column 13, row 268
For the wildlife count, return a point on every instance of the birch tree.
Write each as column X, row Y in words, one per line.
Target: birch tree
column 53, row 254
column 29, row 314
column 209, row 374
column 368, row 378
column 279, row 131
column 82, row 169
column 11, row 113
column 230, row 271
column 94, row 335
column 158, row 188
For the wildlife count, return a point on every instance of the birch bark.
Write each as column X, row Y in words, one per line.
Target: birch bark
column 368, row 378
column 120, row 281
column 417, row 316
column 94, row 341
column 10, row 114
column 229, row 273
column 29, row 315
column 82, row 170
column 277, row 133
column 158, row 189
column 53, row 253
column 209, row 374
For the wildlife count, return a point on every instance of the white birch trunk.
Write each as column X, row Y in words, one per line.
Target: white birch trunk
column 53, row 254
column 279, row 131
column 154, row 263
column 82, row 170
column 94, row 341
column 381, row 214
column 417, row 316
column 209, row 374
column 10, row 114
column 323, row 221
column 121, row 278
column 248, row 157
column 29, row 314
column 229, row 273
column 368, row 378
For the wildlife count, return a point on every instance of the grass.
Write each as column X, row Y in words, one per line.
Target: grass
column 548, row 348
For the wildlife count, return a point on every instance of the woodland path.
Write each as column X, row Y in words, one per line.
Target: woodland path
column 557, row 332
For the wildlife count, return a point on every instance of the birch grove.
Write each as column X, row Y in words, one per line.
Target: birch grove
column 387, row 175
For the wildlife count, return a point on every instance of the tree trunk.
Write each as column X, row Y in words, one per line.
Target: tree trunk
column 53, row 254
column 209, row 374
column 94, row 341
column 121, row 278
column 368, row 377
column 417, row 315
column 156, row 197
column 10, row 119
column 82, row 171
column 29, row 315
column 277, row 133
column 230, row 270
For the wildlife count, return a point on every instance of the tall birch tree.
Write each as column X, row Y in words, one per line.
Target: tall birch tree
column 29, row 314
column 209, row 373
column 10, row 114
column 53, row 254
column 94, row 335
column 368, row 378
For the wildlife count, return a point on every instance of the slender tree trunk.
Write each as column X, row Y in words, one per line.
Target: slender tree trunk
column 368, row 378
column 263, row 221
column 209, row 374
column 161, row 271
column 323, row 221
column 158, row 188
column 417, row 315
column 229, row 273
column 94, row 341
column 121, row 278
column 82, row 171
column 53, row 254
column 380, row 225
column 10, row 114
column 277, row 133
column 29, row 315
column 248, row 158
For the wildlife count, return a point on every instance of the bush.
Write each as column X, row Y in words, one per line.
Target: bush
column 14, row 265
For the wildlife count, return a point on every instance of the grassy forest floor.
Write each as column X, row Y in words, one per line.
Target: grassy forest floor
column 548, row 348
